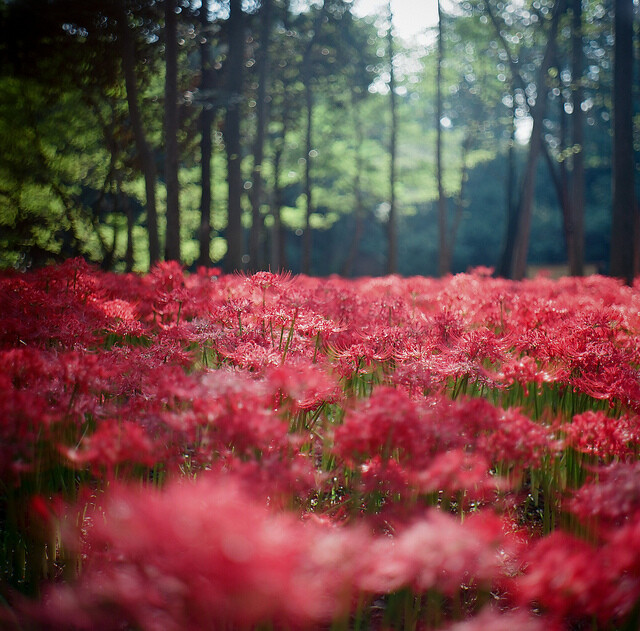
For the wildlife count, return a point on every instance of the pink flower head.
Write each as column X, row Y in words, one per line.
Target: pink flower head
column 612, row 497
column 595, row 432
column 204, row 555
column 492, row 619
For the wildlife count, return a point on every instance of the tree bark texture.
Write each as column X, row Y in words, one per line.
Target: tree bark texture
column 392, row 228
column 172, row 239
column 234, row 233
column 206, row 146
column 256, row 235
column 443, row 256
column 576, row 254
column 623, row 211
column 145, row 156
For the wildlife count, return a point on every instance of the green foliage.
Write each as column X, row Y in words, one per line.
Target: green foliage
column 69, row 168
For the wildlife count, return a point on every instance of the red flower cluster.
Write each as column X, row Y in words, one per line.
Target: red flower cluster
column 380, row 452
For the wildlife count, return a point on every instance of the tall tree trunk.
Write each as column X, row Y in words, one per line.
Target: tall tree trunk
column 443, row 256
column 392, row 228
column 516, row 264
column 307, row 242
column 172, row 240
column 576, row 254
column 504, row 264
column 460, row 200
column 278, row 239
column 564, row 185
column 257, row 226
column 234, row 234
column 147, row 164
column 307, row 60
column 347, row 266
column 278, row 234
column 525, row 209
column 126, row 205
column 206, row 146
column 623, row 212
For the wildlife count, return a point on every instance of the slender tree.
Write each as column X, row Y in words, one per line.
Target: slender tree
column 358, row 210
column 443, row 256
column 206, row 146
column 392, row 236
column 235, row 63
column 256, row 233
column 576, row 254
column 516, row 251
column 623, row 213
column 307, row 78
column 145, row 156
column 278, row 233
column 172, row 239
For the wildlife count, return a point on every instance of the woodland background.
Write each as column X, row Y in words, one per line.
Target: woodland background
column 296, row 135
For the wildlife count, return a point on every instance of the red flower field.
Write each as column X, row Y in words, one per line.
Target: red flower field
column 231, row 452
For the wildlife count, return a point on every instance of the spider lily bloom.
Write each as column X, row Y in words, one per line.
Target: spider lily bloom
column 437, row 552
column 495, row 620
column 387, row 421
column 457, row 471
column 303, row 384
column 203, row 555
column 114, row 443
column 611, row 498
column 575, row 581
column 596, row 433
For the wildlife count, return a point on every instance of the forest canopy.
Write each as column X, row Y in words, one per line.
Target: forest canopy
column 305, row 135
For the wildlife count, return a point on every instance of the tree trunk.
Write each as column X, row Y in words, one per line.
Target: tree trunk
column 307, row 70
column 307, row 243
column 234, row 234
column 172, row 240
column 278, row 256
column 443, row 256
column 460, row 201
column 525, row 208
column 623, row 212
column 206, row 146
column 576, row 254
column 256, row 235
column 147, row 164
column 126, row 205
column 504, row 264
column 392, row 228
column 357, row 188
column 564, row 197
column 516, row 251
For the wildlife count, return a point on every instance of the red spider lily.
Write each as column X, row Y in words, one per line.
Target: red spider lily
column 304, row 384
column 574, row 580
column 385, row 422
column 389, row 423
column 598, row 434
column 113, row 445
column 379, row 475
column 263, row 281
column 496, row 620
column 202, row 556
column 611, row 497
column 457, row 471
column 562, row 577
column 437, row 552
column 526, row 370
column 45, row 398
column 48, row 316
column 514, row 438
column 230, row 411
